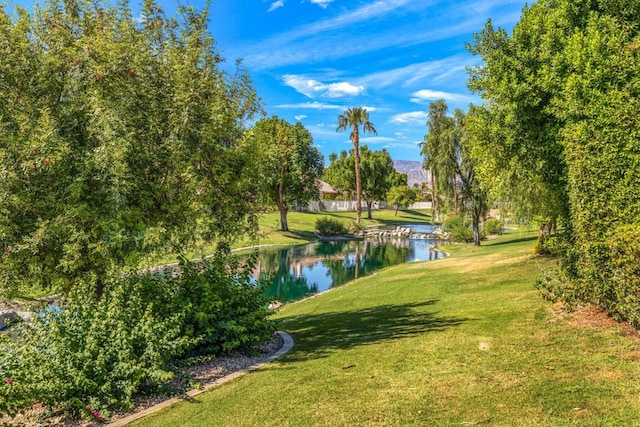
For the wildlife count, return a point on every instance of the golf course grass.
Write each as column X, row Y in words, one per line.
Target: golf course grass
column 466, row 340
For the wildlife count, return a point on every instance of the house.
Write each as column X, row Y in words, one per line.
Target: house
column 327, row 192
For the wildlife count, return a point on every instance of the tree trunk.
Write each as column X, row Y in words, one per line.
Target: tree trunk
column 356, row 157
column 282, row 207
column 475, row 224
column 369, row 205
column 434, row 198
column 397, row 207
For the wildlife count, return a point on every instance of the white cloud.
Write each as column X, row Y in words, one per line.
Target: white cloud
column 424, row 95
column 312, row 88
column 414, row 73
column 414, row 117
column 312, row 106
column 322, row 3
column 300, row 117
column 275, row 5
column 320, row 40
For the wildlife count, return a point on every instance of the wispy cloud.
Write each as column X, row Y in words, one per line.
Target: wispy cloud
column 300, row 117
column 425, row 95
column 415, row 73
column 426, row 21
column 322, row 3
column 413, row 117
column 312, row 88
column 311, row 106
column 276, row 5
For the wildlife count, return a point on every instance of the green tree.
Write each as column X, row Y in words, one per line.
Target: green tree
column 354, row 118
column 119, row 139
column 440, row 156
column 401, row 196
column 377, row 174
column 560, row 127
column 287, row 164
column 447, row 151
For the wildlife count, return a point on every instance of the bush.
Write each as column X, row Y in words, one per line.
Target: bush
column 223, row 311
column 493, row 226
column 459, row 230
column 330, row 227
column 624, row 254
column 91, row 356
column 94, row 355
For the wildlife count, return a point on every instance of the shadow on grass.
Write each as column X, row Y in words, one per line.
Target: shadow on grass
column 303, row 235
column 510, row 241
column 316, row 335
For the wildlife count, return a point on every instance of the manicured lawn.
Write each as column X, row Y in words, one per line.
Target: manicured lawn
column 302, row 227
column 464, row 340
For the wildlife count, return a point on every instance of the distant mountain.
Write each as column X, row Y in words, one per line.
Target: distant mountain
column 415, row 172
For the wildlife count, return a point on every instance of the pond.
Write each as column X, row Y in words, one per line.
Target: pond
column 299, row 271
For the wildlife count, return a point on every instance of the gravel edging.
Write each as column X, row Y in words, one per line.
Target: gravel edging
column 287, row 344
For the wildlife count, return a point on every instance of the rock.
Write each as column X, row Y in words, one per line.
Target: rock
column 9, row 317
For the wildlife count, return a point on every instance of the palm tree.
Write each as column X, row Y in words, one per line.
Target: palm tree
column 354, row 117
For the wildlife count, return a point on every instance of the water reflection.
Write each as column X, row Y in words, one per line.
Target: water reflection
column 299, row 271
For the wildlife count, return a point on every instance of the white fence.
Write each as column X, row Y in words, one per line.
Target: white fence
column 350, row 205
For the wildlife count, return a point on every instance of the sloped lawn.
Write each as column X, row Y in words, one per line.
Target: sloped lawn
column 466, row 340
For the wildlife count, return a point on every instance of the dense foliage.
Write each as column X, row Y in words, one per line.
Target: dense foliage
column 401, row 196
column 561, row 124
column 119, row 138
column 286, row 164
column 447, row 153
column 102, row 352
column 377, row 174
column 330, row 227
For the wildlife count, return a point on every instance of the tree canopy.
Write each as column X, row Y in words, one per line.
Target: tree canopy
column 377, row 174
column 120, row 138
column 286, row 163
column 561, row 131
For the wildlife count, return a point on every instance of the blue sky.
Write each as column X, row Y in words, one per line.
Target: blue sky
column 310, row 59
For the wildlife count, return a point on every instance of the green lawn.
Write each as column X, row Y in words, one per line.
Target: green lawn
column 303, row 224
column 465, row 340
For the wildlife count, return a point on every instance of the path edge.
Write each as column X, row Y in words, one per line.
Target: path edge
column 287, row 344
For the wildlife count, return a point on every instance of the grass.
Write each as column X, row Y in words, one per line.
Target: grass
column 465, row 340
column 302, row 226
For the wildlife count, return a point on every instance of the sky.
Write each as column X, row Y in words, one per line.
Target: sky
column 312, row 59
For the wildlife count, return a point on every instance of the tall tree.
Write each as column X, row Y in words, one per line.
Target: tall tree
column 447, row 153
column 560, row 120
column 441, row 151
column 119, row 138
column 287, row 164
column 377, row 175
column 354, row 118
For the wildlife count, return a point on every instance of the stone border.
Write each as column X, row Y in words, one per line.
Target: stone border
column 287, row 344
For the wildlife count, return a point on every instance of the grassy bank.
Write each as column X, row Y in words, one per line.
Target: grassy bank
column 461, row 341
column 302, row 226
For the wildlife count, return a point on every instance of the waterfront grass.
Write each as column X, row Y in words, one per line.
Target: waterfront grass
column 302, row 226
column 465, row 340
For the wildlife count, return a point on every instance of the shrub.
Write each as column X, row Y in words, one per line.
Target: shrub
column 91, row 356
column 223, row 311
column 459, row 230
column 493, row 226
column 95, row 354
column 330, row 227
